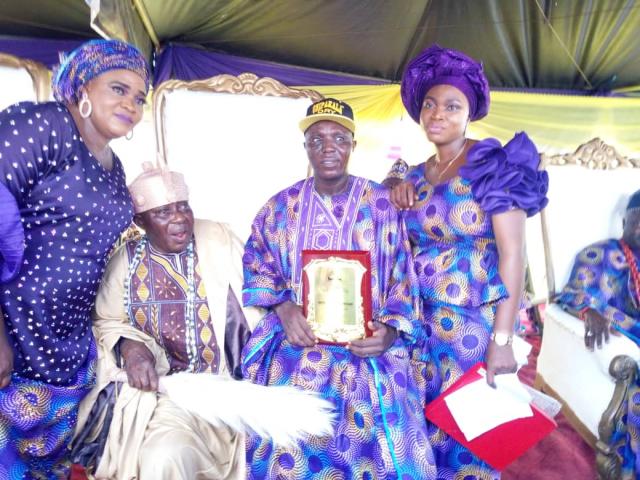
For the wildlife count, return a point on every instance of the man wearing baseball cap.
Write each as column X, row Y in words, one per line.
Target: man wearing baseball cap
column 380, row 430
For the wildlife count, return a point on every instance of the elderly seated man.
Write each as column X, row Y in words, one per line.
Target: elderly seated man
column 604, row 291
column 168, row 303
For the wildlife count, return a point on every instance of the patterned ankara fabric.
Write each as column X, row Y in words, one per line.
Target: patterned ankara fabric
column 90, row 60
column 72, row 211
column 601, row 280
column 158, row 293
column 380, row 431
column 456, row 261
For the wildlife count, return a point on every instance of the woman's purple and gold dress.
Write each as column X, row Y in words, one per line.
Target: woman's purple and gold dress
column 64, row 211
column 456, row 261
column 380, row 430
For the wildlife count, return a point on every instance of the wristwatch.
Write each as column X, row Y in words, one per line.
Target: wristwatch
column 501, row 339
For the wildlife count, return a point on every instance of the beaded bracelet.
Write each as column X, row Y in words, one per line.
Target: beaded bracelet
column 582, row 313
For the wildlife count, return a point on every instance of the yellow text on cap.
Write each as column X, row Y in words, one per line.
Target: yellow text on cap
column 327, row 106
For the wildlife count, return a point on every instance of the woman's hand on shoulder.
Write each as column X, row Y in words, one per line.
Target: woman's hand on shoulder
column 139, row 364
column 403, row 195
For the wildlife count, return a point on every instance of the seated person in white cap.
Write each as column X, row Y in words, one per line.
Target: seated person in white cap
column 168, row 302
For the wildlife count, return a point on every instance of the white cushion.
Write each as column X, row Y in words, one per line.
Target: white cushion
column 235, row 151
column 580, row 377
column 17, row 86
column 585, row 206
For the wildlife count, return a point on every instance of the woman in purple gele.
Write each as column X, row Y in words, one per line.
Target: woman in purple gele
column 64, row 203
column 465, row 214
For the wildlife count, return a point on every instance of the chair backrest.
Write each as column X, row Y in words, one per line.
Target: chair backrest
column 236, row 140
column 22, row 80
column 588, row 193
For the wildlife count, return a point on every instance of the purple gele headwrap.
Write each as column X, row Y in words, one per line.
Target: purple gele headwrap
column 437, row 66
column 92, row 59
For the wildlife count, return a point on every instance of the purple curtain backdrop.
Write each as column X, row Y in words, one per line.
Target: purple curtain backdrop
column 45, row 51
column 188, row 63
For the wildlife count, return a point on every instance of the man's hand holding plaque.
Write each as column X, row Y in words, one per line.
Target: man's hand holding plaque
column 295, row 326
column 381, row 339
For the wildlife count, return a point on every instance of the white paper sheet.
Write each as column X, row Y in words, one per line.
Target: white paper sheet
column 521, row 350
column 478, row 408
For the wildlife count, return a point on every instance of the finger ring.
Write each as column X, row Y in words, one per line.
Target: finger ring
column 589, row 333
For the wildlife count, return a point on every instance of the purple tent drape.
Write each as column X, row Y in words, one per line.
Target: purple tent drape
column 188, row 63
column 45, row 51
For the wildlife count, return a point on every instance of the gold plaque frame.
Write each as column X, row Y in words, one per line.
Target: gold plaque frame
column 336, row 290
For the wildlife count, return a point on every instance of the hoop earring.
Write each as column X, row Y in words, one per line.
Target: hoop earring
column 81, row 105
column 129, row 135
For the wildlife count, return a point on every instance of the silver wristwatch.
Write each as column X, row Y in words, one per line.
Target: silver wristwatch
column 501, row 339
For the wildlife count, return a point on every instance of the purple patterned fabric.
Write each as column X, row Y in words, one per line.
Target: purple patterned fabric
column 319, row 228
column 11, row 236
column 601, row 279
column 380, row 430
column 37, row 422
column 187, row 63
column 456, row 259
column 435, row 66
column 507, row 177
column 90, row 60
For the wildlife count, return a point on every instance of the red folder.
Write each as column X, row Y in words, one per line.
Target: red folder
column 501, row 445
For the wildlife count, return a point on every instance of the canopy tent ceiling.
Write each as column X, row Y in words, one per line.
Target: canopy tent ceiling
column 580, row 45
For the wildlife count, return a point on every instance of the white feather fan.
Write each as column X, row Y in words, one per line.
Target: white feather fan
column 283, row 413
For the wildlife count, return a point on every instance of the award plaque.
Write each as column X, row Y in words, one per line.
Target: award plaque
column 336, row 291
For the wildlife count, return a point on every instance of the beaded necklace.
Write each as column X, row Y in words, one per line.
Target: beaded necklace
column 633, row 268
column 190, row 318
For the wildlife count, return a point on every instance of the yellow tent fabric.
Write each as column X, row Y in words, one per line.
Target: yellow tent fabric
column 556, row 123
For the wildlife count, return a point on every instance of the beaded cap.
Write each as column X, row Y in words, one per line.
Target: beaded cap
column 156, row 187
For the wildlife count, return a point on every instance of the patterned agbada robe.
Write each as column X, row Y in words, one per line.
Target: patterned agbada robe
column 380, row 430
column 158, row 299
column 601, row 280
